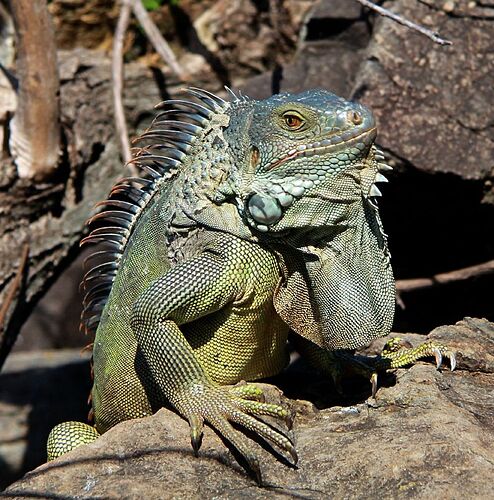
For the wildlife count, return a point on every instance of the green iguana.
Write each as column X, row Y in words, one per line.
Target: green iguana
column 255, row 219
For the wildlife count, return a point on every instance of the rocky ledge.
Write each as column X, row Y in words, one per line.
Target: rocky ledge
column 428, row 434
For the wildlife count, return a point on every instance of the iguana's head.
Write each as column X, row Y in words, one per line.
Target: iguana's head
column 309, row 145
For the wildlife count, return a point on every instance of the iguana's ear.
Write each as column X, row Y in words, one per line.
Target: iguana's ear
column 344, row 297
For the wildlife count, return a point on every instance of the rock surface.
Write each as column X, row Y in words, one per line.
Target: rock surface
column 334, row 39
column 433, row 103
column 429, row 434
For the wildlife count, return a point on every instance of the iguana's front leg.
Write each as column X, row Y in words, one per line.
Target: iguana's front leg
column 395, row 354
column 187, row 292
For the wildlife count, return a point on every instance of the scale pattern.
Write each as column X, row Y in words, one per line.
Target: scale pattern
column 69, row 435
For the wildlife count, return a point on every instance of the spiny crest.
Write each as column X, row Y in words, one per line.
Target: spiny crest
column 166, row 143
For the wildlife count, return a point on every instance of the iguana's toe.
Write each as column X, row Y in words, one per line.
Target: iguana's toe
column 397, row 354
column 269, row 434
column 221, row 407
column 257, row 408
column 240, row 444
column 248, row 391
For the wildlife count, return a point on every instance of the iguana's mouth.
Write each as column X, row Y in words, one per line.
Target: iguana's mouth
column 348, row 138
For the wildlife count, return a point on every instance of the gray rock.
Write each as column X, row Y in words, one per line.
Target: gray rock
column 433, row 103
column 319, row 64
column 428, row 435
column 336, row 9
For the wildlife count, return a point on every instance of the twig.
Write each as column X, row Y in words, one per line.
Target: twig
column 117, row 77
column 6, row 341
column 433, row 35
column 159, row 43
column 465, row 273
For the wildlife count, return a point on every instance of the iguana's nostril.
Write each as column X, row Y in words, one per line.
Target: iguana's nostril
column 355, row 117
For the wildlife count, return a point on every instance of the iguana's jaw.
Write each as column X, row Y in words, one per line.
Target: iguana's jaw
column 359, row 139
column 340, row 169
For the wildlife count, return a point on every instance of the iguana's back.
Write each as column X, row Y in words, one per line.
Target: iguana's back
column 117, row 392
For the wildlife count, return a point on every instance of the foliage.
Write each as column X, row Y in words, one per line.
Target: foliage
column 156, row 4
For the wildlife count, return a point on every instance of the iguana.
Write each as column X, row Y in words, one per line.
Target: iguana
column 255, row 219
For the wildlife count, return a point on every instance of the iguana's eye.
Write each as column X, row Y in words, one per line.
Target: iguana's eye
column 292, row 120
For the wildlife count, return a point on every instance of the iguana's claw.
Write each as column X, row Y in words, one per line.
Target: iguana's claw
column 439, row 358
column 373, row 381
column 223, row 406
column 452, row 361
column 196, row 432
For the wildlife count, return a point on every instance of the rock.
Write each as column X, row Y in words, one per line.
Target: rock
column 335, row 9
column 333, row 47
column 404, row 444
column 246, row 38
column 324, row 64
column 465, row 8
column 437, row 97
column 54, row 322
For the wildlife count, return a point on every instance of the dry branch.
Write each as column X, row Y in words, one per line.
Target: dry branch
column 433, row 35
column 159, row 43
column 117, row 79
column 465, row 273
column 35, row 128
column 6, row 339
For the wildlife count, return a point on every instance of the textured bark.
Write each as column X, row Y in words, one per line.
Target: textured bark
column 35, row 128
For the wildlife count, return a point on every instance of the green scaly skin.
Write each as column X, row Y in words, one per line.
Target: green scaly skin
column 260, row 219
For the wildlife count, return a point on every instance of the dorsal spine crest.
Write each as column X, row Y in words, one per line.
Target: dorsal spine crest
column 169, row 139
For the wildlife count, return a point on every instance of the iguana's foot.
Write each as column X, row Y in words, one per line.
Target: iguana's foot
column 222, row 406
column 396, row 353
column 67, row 436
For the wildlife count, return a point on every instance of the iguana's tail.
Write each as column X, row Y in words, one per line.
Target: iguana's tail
column 67, row 436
